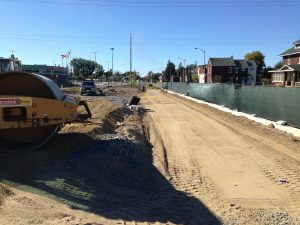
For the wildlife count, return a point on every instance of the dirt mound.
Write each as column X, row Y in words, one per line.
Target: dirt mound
column 100, row 108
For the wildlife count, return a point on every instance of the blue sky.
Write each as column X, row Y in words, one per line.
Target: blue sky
column 40, row 31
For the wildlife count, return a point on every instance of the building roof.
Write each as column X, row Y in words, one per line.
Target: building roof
column 241, row 63
column 297, row 42
column 245, row 63
column 222, row 61
column 287, row 68
column 291, row 51
column 296, row 67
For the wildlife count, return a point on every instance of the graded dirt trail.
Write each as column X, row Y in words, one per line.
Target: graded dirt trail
column 241, row 171
column 172, row 162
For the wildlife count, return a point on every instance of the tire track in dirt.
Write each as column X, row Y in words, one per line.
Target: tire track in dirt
column 187, row 175
column 277, row 166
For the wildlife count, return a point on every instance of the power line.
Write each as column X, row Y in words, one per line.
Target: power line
column 64, row 36
column 145, row 43
column 98, row 38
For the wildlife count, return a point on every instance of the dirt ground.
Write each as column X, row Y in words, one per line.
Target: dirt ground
column 242, row 172
column 171, row 161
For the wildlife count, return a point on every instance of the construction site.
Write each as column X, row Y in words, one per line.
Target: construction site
column 132, row 155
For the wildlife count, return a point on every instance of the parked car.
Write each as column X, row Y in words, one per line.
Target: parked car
column 88, row 87
column 125, row 80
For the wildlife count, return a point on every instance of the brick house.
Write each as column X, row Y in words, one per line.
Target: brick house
column 289, row 73
column 229, row 70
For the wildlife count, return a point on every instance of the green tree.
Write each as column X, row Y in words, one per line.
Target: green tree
column 169, row 71
column 278, row 65
column 99, row 71
column 259, row 59
column 181, row 71
column 195, row 78
column 190, row 70
column 83, row 68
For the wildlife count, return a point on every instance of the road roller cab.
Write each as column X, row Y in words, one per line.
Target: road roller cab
column 10, row 64
column 32, row 109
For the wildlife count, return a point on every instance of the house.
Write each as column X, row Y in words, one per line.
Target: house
column 202, row 74
column 229, row 70
column 289, row 73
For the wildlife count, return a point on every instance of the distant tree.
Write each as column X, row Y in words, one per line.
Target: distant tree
column 181, row 71
column 99, row 71
column 149, row 76
column 190, row 70
column 259, row 59
column 278, row 65
column 83, row 68
column 195, row 78
column 107, row 75
column 134, row 75
column 169, row 71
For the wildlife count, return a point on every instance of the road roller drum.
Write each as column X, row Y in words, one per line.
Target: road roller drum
column 32, row 108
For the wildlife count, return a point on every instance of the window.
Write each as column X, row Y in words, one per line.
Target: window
column 289, row 61
column 236, row 70
column 278, row 77
column 242, row 69
column 230, row 70
column 88, row 83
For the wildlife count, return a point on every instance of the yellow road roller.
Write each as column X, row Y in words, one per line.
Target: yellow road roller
column 32, row 109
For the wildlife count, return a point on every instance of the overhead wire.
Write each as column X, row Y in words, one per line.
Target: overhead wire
column 149, row 38
column 142, row 43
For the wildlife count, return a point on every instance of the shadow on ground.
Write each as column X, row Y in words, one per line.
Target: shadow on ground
column 109, row 176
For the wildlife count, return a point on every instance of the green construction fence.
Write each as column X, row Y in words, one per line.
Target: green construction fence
column 272, row 103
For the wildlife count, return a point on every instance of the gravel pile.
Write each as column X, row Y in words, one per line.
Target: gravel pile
column 120, row 101
column 114, row 159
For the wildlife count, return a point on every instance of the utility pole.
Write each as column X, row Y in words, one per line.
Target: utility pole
column 53, row 68
column 112, row 63
column 184, row 76
column 95, row 56
column 108, row 62
column 12, row 53
column 130, row 55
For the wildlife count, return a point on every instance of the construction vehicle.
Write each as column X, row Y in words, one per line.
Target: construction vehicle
column 32, row 108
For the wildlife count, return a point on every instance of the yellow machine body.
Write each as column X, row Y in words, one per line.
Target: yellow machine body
column 32, row 108
column 25, row 112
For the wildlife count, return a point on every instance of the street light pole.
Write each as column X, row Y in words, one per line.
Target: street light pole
column 112, row 63
column 95, row 66
column 130, row 56
column 108, row 68
column 203, row 53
